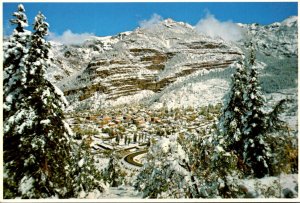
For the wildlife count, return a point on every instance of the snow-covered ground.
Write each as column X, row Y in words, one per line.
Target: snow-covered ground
column 194, row 95
column 284, row 186
column 121, row 192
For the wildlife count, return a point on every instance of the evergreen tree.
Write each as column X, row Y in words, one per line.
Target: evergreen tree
column 232, row 118
column 113, row 174
column 125, row 140
column 244, row 126
column 14, row 69
column 117, row 139
column 243, row 122
column 255, row 128
column 86, row 176
column 166, row 173
column 13, row 94
column 275, row 124
column 252, row 56
column 214, row 168
column 37, row 146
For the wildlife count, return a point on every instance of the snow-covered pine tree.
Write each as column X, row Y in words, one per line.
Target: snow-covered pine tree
column 275, row 124
column 13, row 94
column 252, row 56
column 244, row 125
column 14, row 69
column 283, row 142
column 113, row 173
column 165, row 174
column 37, row 150
column 256, row 151
column 231, row 120
column 87, row 177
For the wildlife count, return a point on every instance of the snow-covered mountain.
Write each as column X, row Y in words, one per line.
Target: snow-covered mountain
column 69, row 59
column 168, row 63
column 278, row 39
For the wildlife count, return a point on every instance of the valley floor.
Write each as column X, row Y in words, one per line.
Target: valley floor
column 129, row 131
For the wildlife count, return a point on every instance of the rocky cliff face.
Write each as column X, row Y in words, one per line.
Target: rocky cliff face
column 69, row 59
column 148, row 60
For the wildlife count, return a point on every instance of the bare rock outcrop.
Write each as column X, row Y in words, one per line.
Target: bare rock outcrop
column 151, row 59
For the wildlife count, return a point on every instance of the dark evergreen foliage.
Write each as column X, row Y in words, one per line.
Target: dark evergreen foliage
column 231, row 121
column 86, row 176
column 14, row 70
column 254, row 129
column 244, row 124
column 37, row 146
column 113, row 173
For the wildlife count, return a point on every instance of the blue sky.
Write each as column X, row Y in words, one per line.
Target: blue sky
column 104, row 19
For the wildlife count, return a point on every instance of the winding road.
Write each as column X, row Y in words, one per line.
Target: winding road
column 130, row 158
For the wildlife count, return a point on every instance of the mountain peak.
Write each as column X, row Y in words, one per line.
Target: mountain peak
column 169, row 20
column 290, row 21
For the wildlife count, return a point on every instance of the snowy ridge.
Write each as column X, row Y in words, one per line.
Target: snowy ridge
column 148, row 60
column 280, row 39
column 71, row 59
column 137, row 65
column 290, row 21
